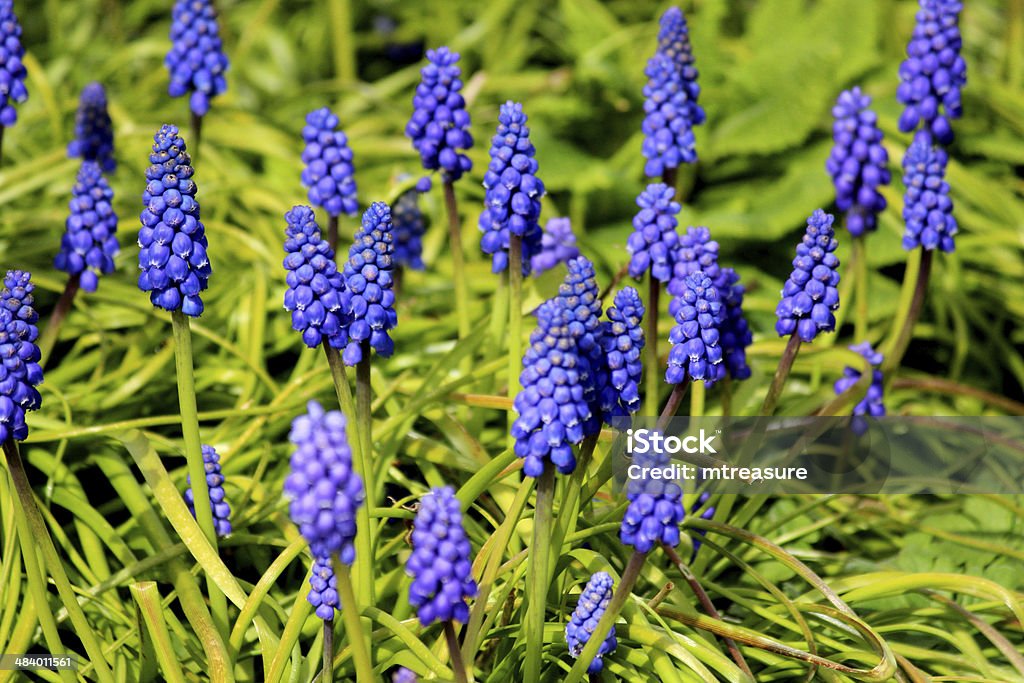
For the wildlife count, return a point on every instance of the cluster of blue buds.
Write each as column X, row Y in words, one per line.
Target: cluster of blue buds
column 513, row 191
column 655, row 506
column 696, row 336
column 89, row 243
column 215, row 484
column 20, row 372
column 175, row 268
column 872, row 405
column 654, row 239
column 591, row 607
column 695, row 252
column 329, row 173
column 409, row 227
column 439, row 126
column 552, row 407
column 323, row 588
column 12, row 70
column 735, row 335
column 934, row 72
column 94, row 132
column 581, row 298
column 440, row 564
column 859, row 164
column 403, row 675
column 196, row 60
column 324, row 490
column 622, row 341
column 809, row 296
column 368, row 299
column 927, row 208
column 557, row 245
column 314, row 284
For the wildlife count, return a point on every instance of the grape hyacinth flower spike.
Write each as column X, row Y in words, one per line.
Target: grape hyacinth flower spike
column 409, row 227
column 696, row 337
column 329, row 173
column 622, row 341
column 557, row 245
column 579, row 296
column 927, row 208
column 196, row 61
column 655, row 508
column 858, row 164
column 439, row 127
column 12, row 69
column 20, row 372
column 89, row 243
column 591, row 607
column 652, row 245
column 368, row 298
column 810, row 295
column 695, row 252
column 175, row 268
column 94, row 132
column 215, row 484
column 934, row 72
column 872, row 405
column 314, row 284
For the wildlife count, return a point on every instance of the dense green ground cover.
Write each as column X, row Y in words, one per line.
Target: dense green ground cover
column 770, row 72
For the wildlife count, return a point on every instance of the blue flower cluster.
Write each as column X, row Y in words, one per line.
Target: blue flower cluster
column 323, row 588
column 196, row 60
column 872, row 405
column 20, row 372
column 591, row 607
column 695, row 252
column 403, row 675
column 409, row 228
column 859, row 164
column 12, row 70
column 440, row 564
column 557, row 245
column 439, row 126
column 581, row 298
column 654, row 239
column 329, row 173
column 368, row 298
column 94, row 132
column 513, row 191
column 552, row 407
column 175, row 268
column 809, row 296
column 622, row 340
column 89, row 243
column 314, row 284
column 696, row 336
column 927, row 208
column 655, row 507
column 325, row 492
column 934, row 72
column 735, row 335
column 215, row 484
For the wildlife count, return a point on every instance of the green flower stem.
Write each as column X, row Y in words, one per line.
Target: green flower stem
column 353, row 627
column 697, row 394
column 344, row 42
column 364, row 416
column 771, row 399
column 147, row 596
column 31, row 526
column 196, row 122
column 458, row 262
column 611, row 613
column 537, row 585
column 860, row 264
column 327, row 674
column 332, row 234
column 672, row 406
column 48, row 338
column 569, row 507
column 652, row 369
column 515, row 321
column 910, row 309
column 194, row 455
column 461, row 675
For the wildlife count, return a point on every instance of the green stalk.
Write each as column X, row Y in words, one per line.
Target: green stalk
column 537, row 583
column 458, row 262
column 353, row 627
column 461, row 675
column 194, row 455
column 652, row 370
column 910, row 309
column 860, row 262
column 344, row 42
column 611, row 613
column 365, row 420
column 327, row 674
column 672, row 405
column 697, row 392
column 31, row 526
column 147, row 597
column 771, row 399
column 515, row 321
column 49, row 337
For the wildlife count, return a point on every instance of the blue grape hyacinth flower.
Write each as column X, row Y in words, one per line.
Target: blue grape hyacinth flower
column 196, row 60
column 622, row 341
column 403, row 675
column 439, row 127
column 314, row 294
column 12, row 69
column 557, row 245
column 20, row 372
column 655, row 506
column 695, row 252
column 696, row 337
column 368, row 299
column 872, row 405
column 409, row 226
column 94, row 131
column 927, row 207
column 215, row 484
column 552, row 407
column 324, row 490
column 858, row 164
column 513, row 191
column 934, row 72
column 89, row 243
column 581, row 298
column 591, row 607
column 652, row 245
column 323, row 588
column 735, row 335
column 440, row 565
column 810, row 295
column 172, row 257
column 329, row 173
